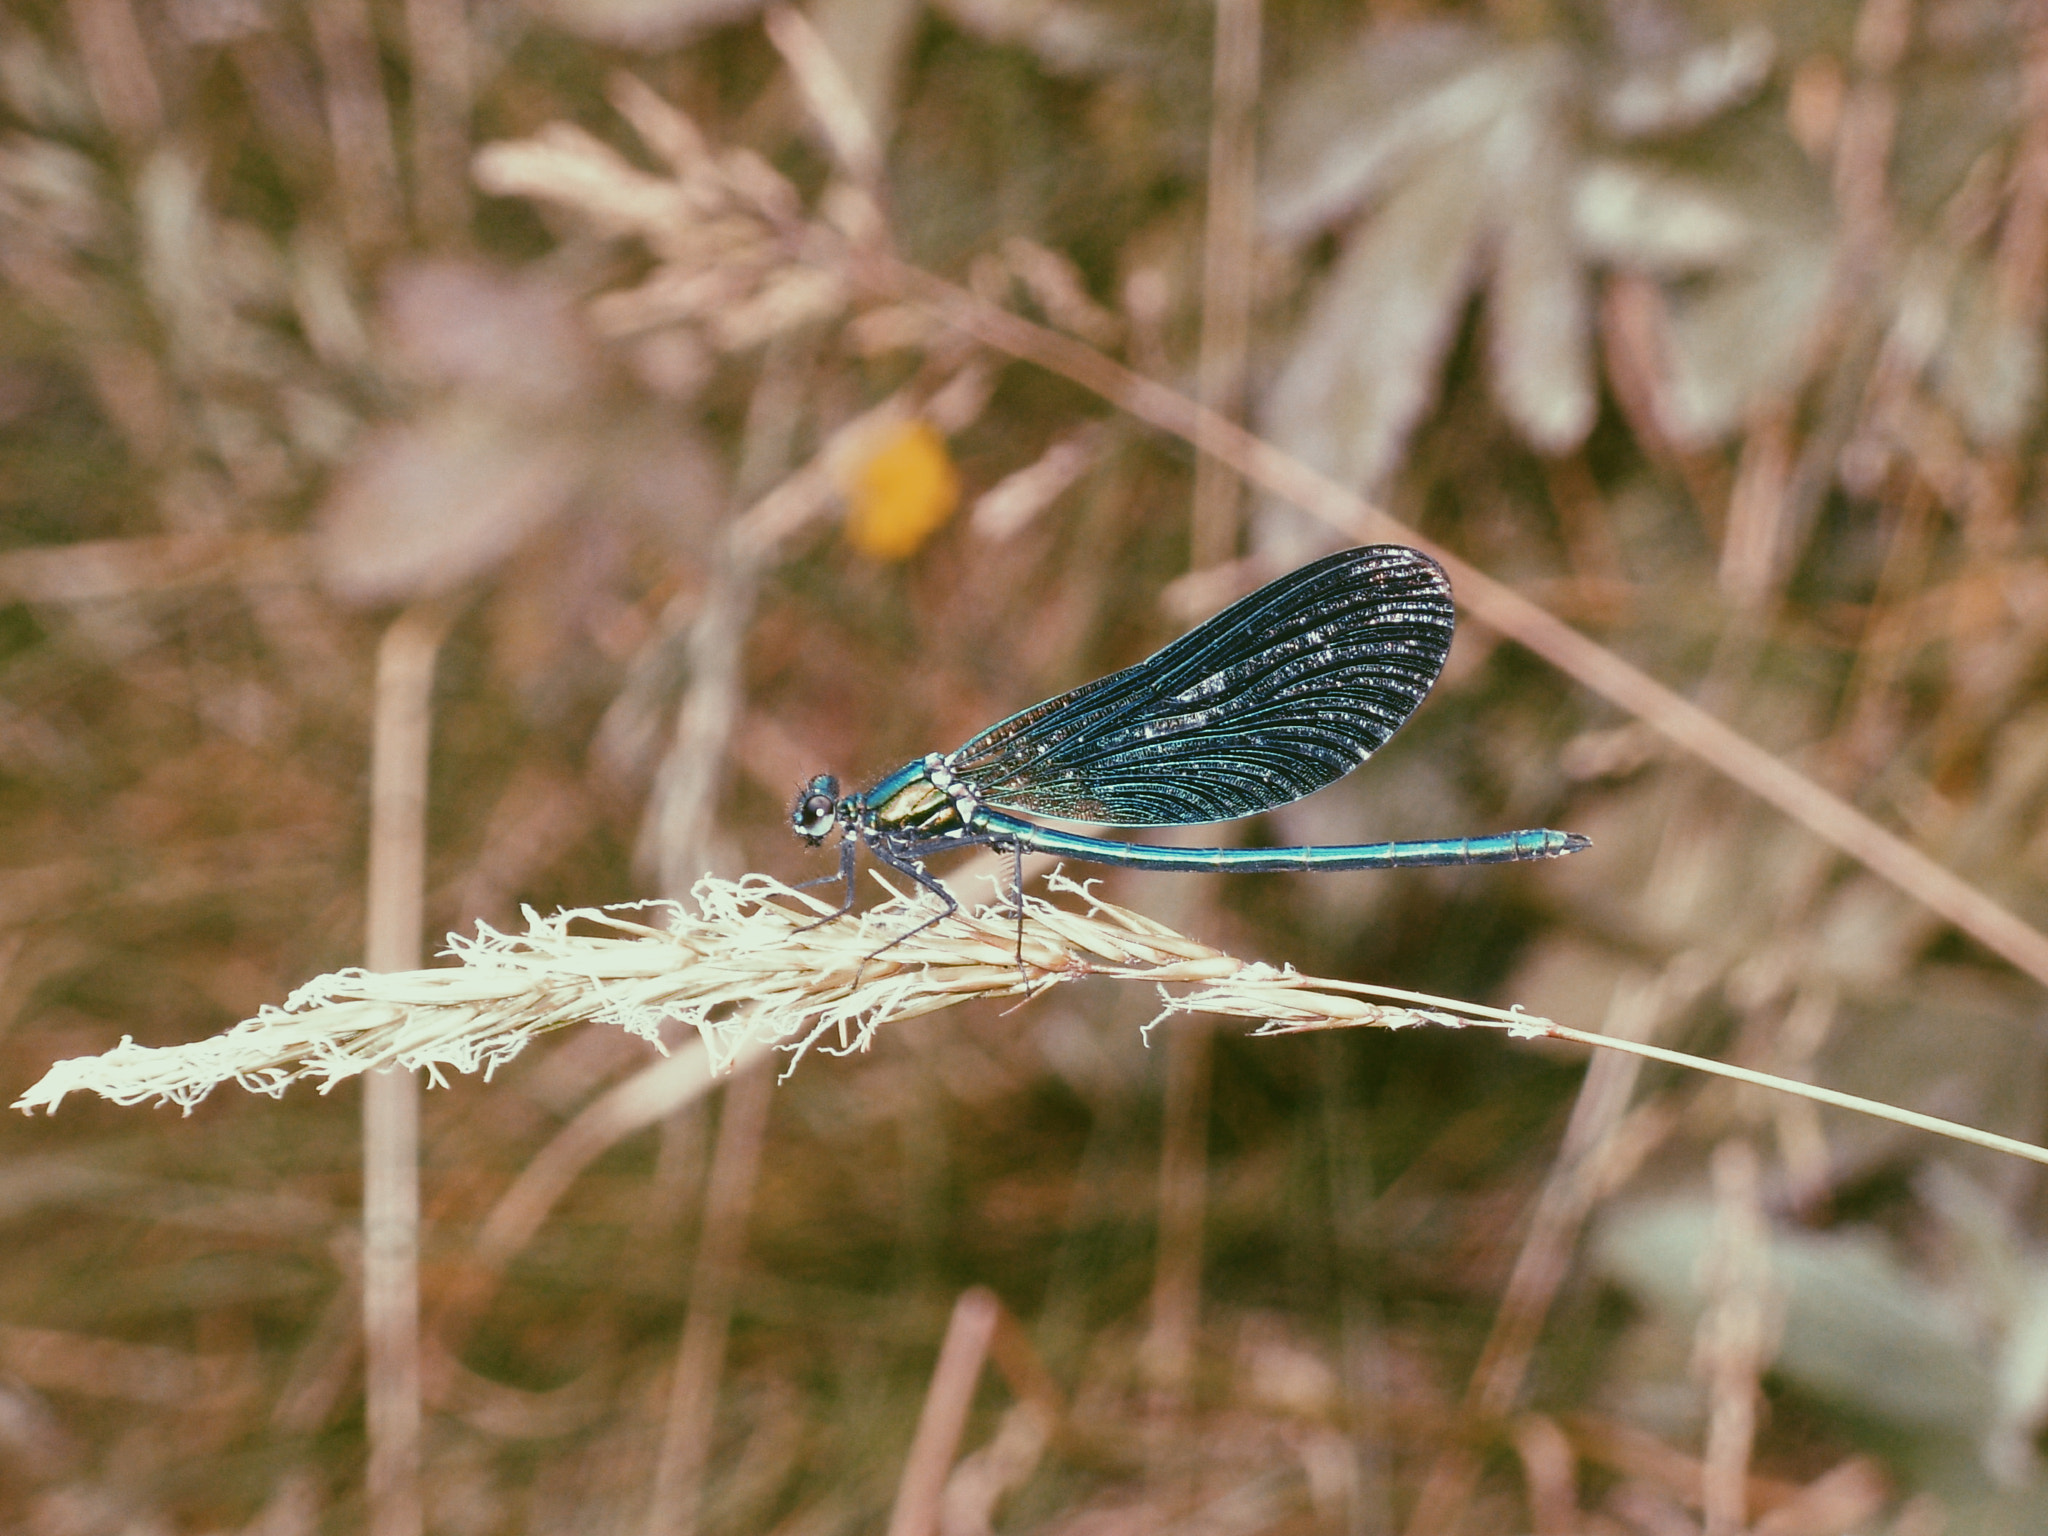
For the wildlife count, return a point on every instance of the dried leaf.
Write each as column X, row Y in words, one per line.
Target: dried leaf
column 49, row 193
column 183, row 267
column 1861, row 1330
column 40, row 85
column 869, row 40
column 647, row 25
column 2022, row 1382
column 1989, row 371
column 461, row 324
column 1539, row 310
column 1636, row 214
column 1742, row 335
column 1345, row 134
column 1068, row 39
column 1406, row 107
column 1365, row 369
column 1692, row 88
column 428, row 505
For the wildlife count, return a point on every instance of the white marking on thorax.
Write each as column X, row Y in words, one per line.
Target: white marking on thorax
column 940, row 772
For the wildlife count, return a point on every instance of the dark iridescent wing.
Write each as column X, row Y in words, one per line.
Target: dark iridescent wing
column 1279, row 694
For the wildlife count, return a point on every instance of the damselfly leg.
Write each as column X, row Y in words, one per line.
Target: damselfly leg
column 844, row 875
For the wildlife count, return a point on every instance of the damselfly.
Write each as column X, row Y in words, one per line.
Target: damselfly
column 1281, row 693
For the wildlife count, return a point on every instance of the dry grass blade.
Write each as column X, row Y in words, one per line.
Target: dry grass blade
column 753, row 966
column 751, row 963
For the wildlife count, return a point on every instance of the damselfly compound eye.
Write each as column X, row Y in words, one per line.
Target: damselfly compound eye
column 817, row 803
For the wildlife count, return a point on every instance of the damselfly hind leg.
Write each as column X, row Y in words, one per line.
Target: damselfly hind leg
column 1017, row 895
column 908, row 856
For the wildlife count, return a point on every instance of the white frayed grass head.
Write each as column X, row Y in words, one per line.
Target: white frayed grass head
column 752, row 965
column 759, row 965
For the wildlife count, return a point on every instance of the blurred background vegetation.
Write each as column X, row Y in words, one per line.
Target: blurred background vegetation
column 1714, row 327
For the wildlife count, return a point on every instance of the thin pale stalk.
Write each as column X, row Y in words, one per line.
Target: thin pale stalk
column 391, row 1198
column 1736, row 1338
column 438, row 47
column 650, row 1095
column 1542, row 1261
column 700, row 1357
column 943, row 1419
column 833, row 102
column 1226, row 269
column 641, row 1100
column 1550, row 1469
column 1356, row 1245
column 1183, row 1202
column 1818, row 1095
column 693, row 772
column 1173, row 1332
column 358, row 123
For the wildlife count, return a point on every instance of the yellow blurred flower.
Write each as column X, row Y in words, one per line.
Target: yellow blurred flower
column 902, row 492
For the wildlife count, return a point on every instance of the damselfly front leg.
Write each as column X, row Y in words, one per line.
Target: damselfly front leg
column 849, row 855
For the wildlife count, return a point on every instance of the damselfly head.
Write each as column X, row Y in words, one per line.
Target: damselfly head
column 817, row 807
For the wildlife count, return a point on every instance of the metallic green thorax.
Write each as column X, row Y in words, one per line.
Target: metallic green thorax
column 908, row 801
